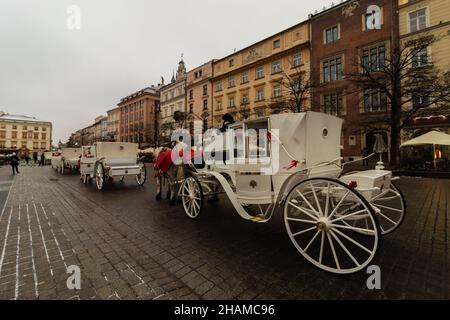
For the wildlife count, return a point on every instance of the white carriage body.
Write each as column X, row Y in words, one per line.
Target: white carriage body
column 117, row 158
column 67, row 157
column 312, row 139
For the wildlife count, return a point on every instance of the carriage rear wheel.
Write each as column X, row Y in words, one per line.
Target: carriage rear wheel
column 142, row 176
column 316, row 214
column 192, row 197
column 390, row 209
column 100, row 176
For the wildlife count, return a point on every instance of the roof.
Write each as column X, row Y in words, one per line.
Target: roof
column 154, row 90
column 17, row 117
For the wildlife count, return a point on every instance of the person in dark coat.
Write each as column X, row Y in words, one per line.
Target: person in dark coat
column 14, row 161
column 42, row 163
column 227, row 120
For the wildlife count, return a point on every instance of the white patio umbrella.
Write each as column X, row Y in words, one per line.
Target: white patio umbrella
column 431, row 138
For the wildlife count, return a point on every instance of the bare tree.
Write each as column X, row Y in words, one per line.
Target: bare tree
column 243, row 110
column 294, row 89
column 408, row 83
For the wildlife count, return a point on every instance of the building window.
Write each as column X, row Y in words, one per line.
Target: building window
column 191, row 108
column 231, row 63
column 245, row 98
column 297, row 59
column 35, row 129
column 373, row 59
column 277, row 44
column 420, row 58
column 3, row 126
column 218, row 86
column 14, row 127
column 205, row 104
column 191, row 94
column 43, row 145
column 418, row 20
column 244, row 77
column 14, row 135
column 205, row 89
column 219, row 105
column 231, row 82
column 276, row 91
column 260, row 94
column 24, row 135
column 375, row 100
column 26, row 128
column 332, row 34
column 3, row 134
column 276, row 66
column 332, row 70
column 231, row 102
column 259, row 74
column 332, row 103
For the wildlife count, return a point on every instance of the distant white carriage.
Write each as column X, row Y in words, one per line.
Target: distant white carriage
column 335, row 221
column 105, row 160
column 66, row 159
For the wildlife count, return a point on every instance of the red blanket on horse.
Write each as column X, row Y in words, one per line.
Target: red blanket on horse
column 164, row 161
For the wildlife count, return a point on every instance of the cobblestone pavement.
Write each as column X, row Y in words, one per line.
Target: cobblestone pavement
column 129, row 246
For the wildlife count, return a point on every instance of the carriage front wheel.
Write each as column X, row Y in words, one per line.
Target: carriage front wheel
column 100, row 176
column 141, row 176
column 192, row 197
column 317, row 213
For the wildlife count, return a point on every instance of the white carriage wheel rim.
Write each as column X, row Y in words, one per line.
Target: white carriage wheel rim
column 191, row 197
column 330, row 236
column 383, row 216
column 99, row 177
column 140, row 177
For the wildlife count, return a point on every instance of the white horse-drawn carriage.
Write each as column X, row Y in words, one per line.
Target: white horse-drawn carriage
column 66, row 159
column 334, row 220
column 106, row 160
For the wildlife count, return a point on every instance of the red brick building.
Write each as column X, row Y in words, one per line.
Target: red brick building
column 138, row 121
column 341, row 38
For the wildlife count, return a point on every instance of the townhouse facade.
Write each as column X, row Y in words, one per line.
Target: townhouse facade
column 24, row 134
column 425, row 18
column 342, row 39
column 199, row 96
column 113, row 123
column 246, row 82
column 173, row 99
column 138, row 117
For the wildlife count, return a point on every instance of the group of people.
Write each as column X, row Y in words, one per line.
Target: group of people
column 14, row 161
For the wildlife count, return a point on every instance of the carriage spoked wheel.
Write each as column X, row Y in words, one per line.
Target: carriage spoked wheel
column 100, row 176
column 317, row 213
column 390, row 209
column 142, row 176
column 192, row 197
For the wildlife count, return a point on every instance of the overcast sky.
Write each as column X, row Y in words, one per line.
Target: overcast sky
column 71, row 76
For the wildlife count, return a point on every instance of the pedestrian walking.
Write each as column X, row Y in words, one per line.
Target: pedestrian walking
column 14, row 161
column 27, row 159
column 42, row 162
column 35, row 158
column 365, row 154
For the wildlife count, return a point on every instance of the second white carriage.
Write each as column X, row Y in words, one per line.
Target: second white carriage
column 108, row 160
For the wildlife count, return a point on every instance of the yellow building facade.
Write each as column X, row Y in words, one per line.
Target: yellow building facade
column 24, row 134
column 423, row 18
column 247, row 81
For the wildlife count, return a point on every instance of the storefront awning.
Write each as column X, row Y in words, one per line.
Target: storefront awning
column 432, row 138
